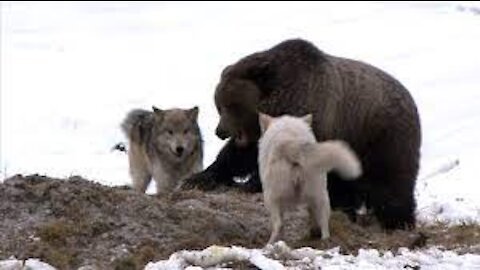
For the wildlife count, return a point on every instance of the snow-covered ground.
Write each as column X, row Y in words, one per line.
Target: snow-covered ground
column 282, row 257
column 270, row 257
column 71, row 71
column 30, row 264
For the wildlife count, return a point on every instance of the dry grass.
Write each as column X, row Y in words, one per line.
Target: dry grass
column 76, row 223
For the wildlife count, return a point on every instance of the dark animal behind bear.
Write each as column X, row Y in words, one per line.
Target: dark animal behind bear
column 349, row 100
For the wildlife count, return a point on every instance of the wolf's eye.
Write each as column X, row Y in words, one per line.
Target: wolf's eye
column 170, row 132
column 186, row 131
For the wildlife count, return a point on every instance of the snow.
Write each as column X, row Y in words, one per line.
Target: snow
column 279, row 256
column 29, row 264
column 307, row 258
column 71, row 71
column 214, row 256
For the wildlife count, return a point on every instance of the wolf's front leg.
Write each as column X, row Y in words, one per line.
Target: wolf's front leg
column 164, row 181
column 138, row 168
column 140, row 180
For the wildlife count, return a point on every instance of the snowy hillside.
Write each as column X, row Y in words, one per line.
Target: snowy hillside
column 71, row 71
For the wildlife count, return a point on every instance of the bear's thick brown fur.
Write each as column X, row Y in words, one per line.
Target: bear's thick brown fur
column 349, row 100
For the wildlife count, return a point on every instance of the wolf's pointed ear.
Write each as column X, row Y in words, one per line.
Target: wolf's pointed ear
column 193, row 113
column 307, row 119
column 264, row 120
column 156, row 110
column 157, row 113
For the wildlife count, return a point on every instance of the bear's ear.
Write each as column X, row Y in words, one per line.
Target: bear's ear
column 193, row 113
column 226, row 70
column 307, row 119
column 264, row 120
column 261, row 72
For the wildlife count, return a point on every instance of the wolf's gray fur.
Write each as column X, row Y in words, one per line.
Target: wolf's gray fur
column 164, row 144
column 293, row 169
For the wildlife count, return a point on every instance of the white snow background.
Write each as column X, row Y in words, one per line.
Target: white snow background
column 70, row 72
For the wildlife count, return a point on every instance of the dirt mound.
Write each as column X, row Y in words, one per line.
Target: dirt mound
column 75, row 222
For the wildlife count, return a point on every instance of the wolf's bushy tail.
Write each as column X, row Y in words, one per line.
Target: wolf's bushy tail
column 337, row 155
column 329, row 155
column 136, row 123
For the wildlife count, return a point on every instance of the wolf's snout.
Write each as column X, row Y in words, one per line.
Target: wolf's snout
column 179, row 150
column 221, row 133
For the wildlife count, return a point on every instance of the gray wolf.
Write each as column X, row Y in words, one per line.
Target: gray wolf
column 348, row 99
column 293, row 169
column 164, row 144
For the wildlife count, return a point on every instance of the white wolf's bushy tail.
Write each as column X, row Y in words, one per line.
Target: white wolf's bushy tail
column 329, row 155
column 338, row 156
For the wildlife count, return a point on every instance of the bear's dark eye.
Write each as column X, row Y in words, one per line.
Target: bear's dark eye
column 186, row 131
column 170, row 132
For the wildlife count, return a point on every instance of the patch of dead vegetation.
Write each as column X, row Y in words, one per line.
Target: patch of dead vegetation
column 75, row 222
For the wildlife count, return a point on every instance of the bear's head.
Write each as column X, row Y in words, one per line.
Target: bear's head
column 237, row 97
column 236, row 101
column 242, row 87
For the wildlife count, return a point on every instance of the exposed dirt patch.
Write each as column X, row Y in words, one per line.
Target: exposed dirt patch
column 75, row 222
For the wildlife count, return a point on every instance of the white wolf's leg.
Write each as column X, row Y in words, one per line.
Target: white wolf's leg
column 321, row 214
column 276, row 216
column 320, row 211
column 139, row 172
column 319, row 205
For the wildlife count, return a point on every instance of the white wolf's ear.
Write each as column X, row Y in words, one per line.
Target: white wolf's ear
column 264, row 120
column 307, row 119
column 193, row 113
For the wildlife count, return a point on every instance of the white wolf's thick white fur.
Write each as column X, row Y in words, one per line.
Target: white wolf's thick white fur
column 293, row 169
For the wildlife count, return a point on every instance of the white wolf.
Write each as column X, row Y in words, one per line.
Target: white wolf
column 293, row 169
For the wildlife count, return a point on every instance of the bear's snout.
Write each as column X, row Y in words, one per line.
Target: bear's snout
column 221, row 133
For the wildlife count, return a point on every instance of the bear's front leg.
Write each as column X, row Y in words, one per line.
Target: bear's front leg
column 232, row 161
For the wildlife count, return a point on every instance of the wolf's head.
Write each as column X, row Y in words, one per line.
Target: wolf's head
column 266, row 120
column 176, row 132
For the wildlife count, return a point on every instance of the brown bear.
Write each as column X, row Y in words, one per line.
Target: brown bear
column 349, row 100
